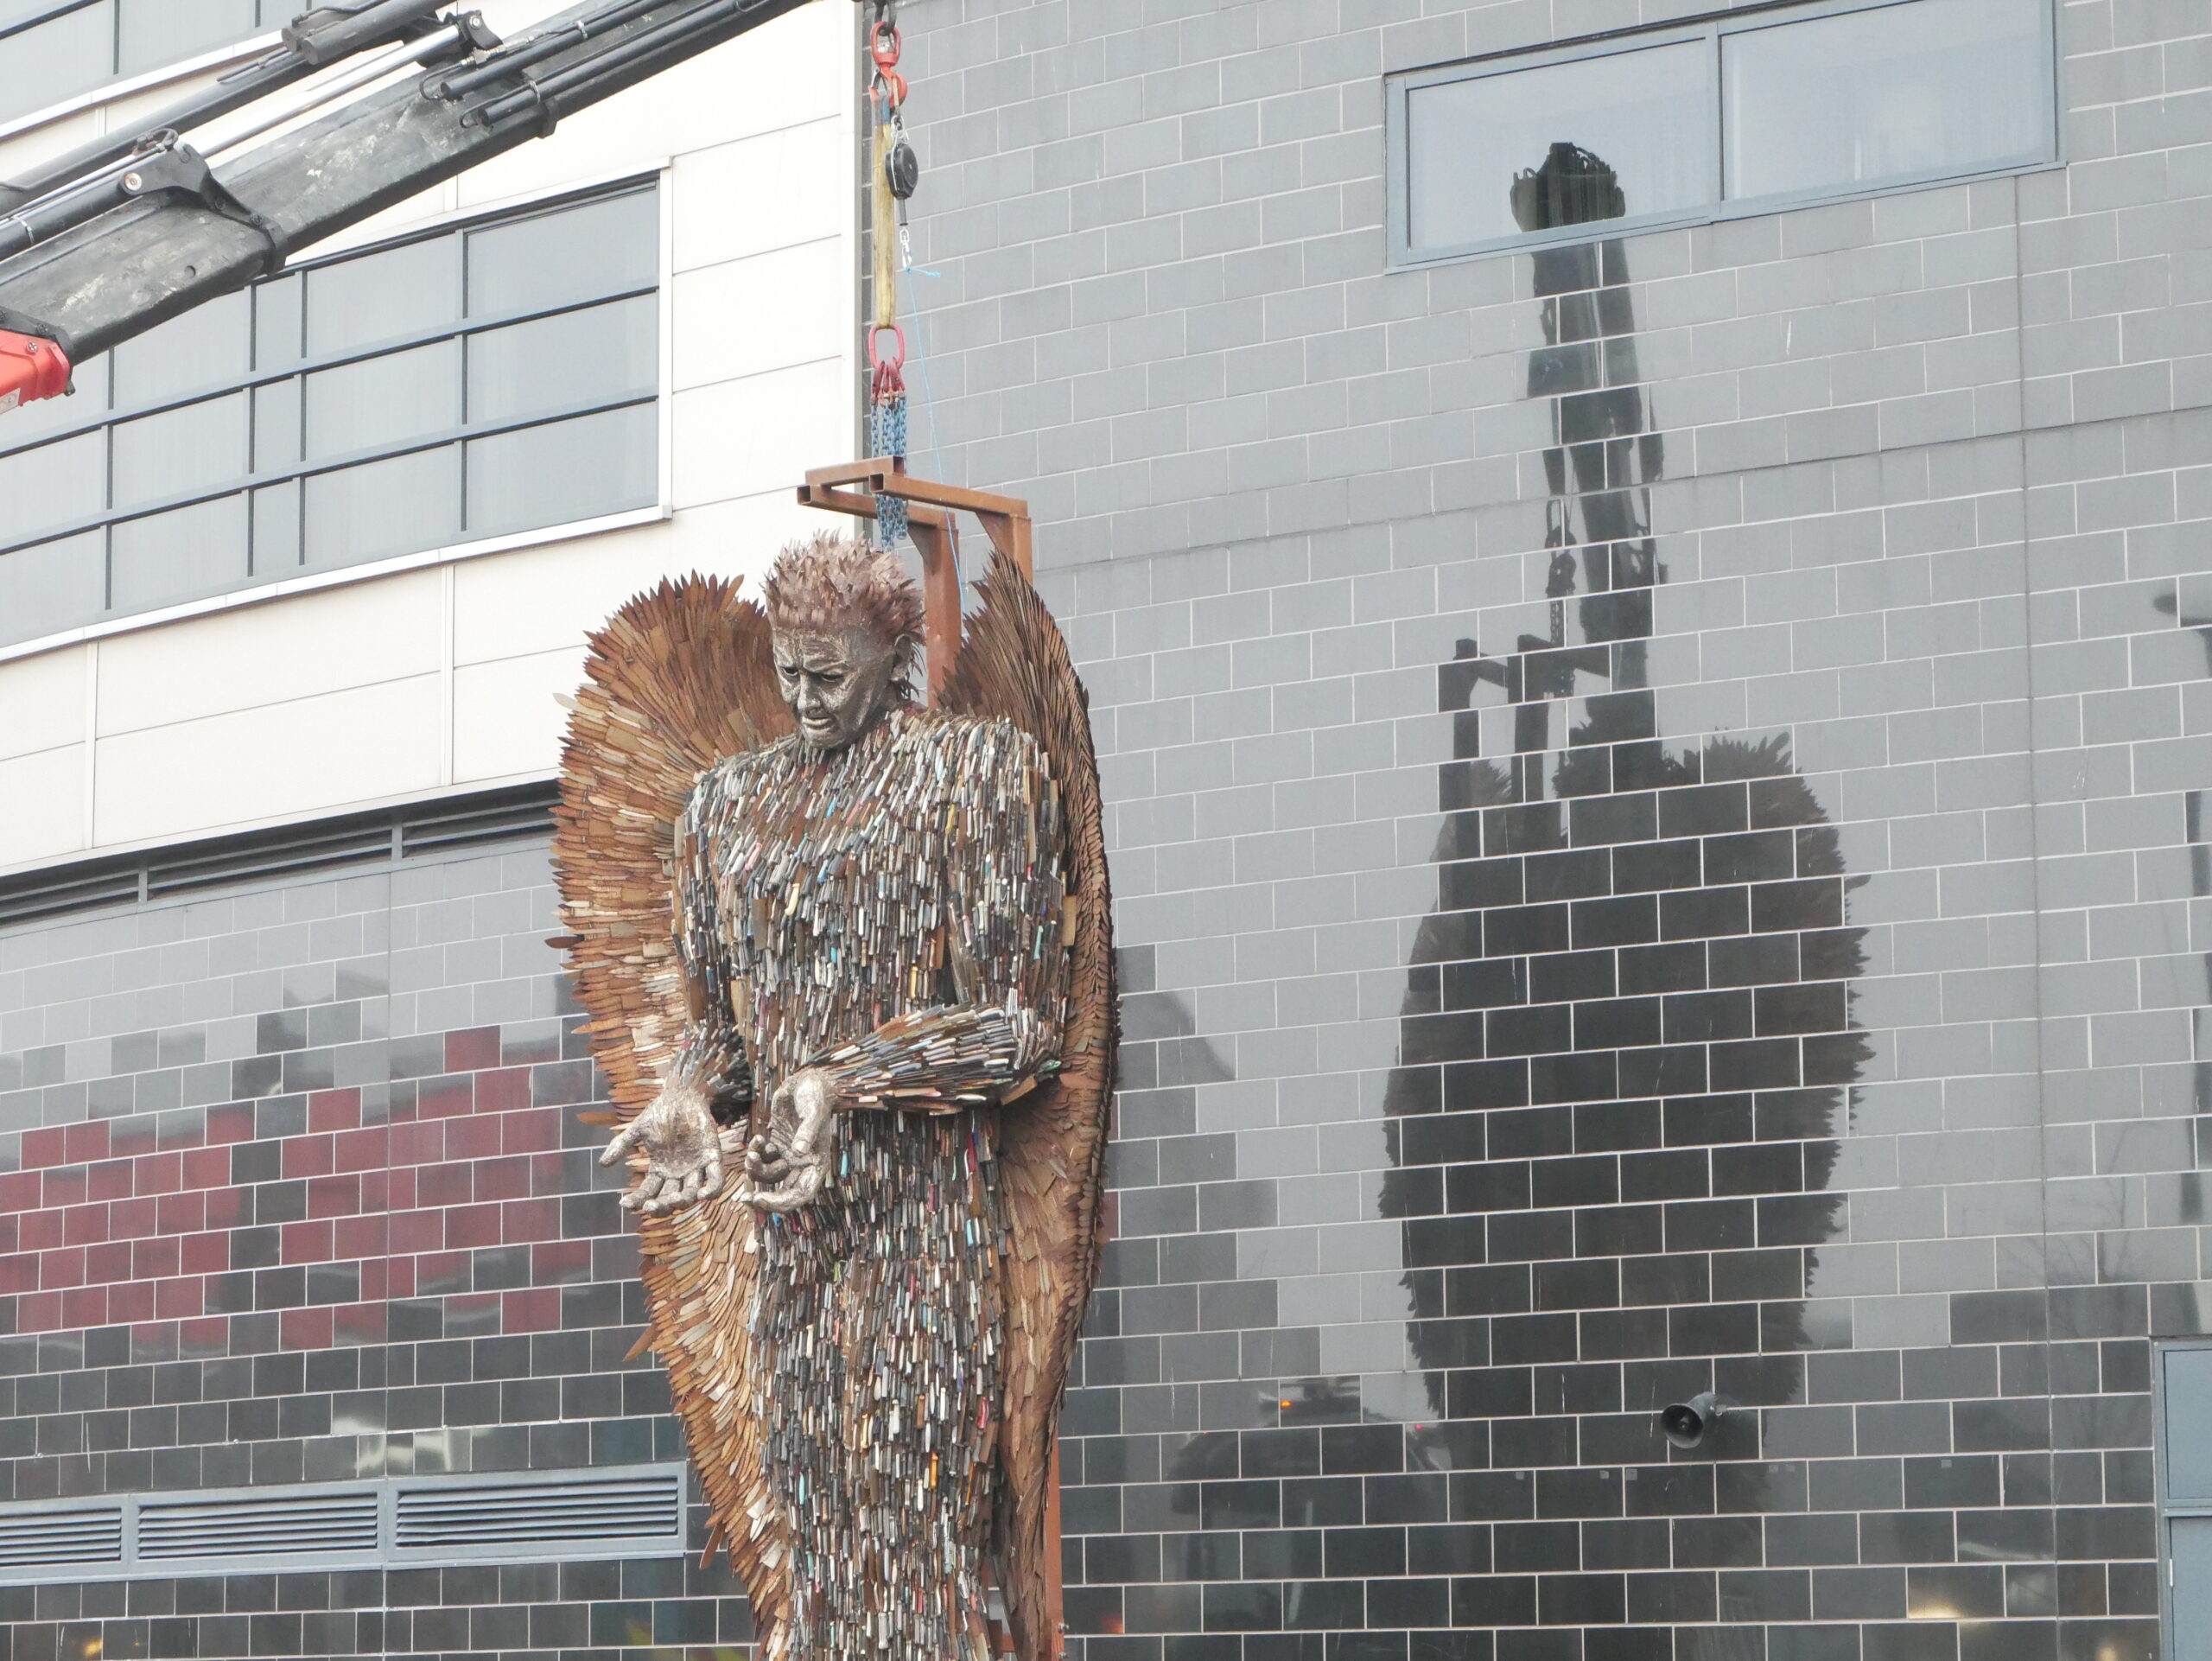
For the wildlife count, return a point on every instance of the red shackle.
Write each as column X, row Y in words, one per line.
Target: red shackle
column 30, row 369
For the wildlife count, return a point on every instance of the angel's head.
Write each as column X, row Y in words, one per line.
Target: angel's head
column 846, row 621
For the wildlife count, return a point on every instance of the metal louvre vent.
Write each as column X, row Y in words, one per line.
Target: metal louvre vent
column 267, row 856
column 616, row 1514
column 41, row 1539
column 605, row 1509
column 499, row 820
column 76, row 888
column 280, row 1525
column 360, row 839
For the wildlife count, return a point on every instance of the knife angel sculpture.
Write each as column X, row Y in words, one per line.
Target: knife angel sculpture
column 849, row 968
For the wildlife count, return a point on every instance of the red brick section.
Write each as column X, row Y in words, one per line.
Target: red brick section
column 97, row 1230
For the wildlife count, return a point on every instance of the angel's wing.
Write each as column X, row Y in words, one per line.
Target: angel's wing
column 679, row 678
column 1014, row 662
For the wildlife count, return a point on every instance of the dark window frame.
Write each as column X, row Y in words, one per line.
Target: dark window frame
column 53, row 12
column 45, row 14
column 113, row 76
column 1400, row 254
column 252, row 479
column 259, row 581
column 2170, row 1509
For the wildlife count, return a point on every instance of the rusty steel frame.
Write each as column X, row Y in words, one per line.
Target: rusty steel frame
column 858, row 487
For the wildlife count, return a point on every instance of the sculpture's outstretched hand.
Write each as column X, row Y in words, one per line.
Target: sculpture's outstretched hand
column 682, row 1148
column 790, row 1167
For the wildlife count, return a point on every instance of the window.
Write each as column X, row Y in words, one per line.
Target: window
column 1741, row 115
column 55, row 49
column 496, row 379
column 2184, row 1436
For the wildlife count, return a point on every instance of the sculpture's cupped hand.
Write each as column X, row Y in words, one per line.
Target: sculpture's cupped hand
column 791, row 1166
column 682, row 1148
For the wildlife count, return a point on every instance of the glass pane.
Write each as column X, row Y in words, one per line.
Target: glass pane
column 187, row 449
column 1565, row 144
column 579, row 253
column 380, row 402
column 403, row 291
column 559, row 363
column 2189, row 1426
column 208, row 346
column 277, row 529
column 56, row 585
column 1932, row 87
column 277, row 323
column 384, row 507
column 55, row 60
column 29, row 422
column 166, row 557
column 2192, row 1586
column 52, row 484
column 157, row 32
column 562, row 472
column 276, row 426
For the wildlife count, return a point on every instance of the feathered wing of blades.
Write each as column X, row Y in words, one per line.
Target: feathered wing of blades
column 1014, row 662
column 679, row 676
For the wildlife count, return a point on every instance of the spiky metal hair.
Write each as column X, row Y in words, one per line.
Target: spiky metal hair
column 828, row 584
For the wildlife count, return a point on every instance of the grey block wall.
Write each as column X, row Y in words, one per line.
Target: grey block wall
column 293, row 1189
column 1891, row 515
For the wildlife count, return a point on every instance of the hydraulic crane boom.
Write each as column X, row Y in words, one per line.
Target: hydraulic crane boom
column 313, row 40
column 126, row 234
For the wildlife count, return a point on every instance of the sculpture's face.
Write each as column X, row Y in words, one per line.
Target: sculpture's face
column 837, row 685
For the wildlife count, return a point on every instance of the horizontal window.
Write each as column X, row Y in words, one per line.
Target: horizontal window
column 55, row 49
column 499, row 378
column 2182, row 1386
column 1740, row 115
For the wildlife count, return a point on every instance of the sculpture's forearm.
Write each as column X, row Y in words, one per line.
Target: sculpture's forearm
column 712, row 1057
column 934, row 1059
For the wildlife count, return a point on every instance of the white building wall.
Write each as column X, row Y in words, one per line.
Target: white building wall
column 437, row 672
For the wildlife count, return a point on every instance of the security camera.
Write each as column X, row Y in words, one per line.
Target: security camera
column 1686, row 1422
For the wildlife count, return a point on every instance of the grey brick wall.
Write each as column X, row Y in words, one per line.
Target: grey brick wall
column 1909, row 495
column 293, row 1189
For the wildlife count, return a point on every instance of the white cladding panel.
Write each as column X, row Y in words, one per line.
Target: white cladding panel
column 442, row 676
